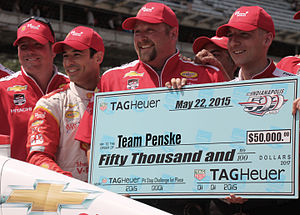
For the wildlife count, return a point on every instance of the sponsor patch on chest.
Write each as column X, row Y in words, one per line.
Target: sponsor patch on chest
column 132, row 84
column 19, row 99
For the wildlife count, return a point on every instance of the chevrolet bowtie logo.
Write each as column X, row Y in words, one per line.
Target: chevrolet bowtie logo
column 47, row 197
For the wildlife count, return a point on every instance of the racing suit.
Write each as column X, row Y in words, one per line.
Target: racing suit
column 139, row 75
column 19, row 93
column 271, row 71
column 4, row 71
column 51, row 131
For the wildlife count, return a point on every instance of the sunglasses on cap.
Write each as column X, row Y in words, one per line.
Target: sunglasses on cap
column 38, row 19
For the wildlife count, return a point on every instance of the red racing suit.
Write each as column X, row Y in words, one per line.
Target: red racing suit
column 19, row 93
column 51, row 131
column 290, row 64
column 271, row 71
column 138, row 75
column 5, row 71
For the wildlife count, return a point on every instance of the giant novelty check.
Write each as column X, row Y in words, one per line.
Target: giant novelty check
column 204, row 141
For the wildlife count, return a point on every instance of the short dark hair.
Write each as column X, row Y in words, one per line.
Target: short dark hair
column 92, row 52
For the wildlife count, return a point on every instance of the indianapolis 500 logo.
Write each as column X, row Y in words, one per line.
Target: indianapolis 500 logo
column 264, row 102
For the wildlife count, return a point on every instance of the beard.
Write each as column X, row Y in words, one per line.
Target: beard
column 147, row 55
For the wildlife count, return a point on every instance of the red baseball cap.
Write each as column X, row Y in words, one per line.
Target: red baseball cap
column 248, row 18
column 81, row 38
column 200, row 42
column 152, row 12
column 297, row 15
column 36, row 30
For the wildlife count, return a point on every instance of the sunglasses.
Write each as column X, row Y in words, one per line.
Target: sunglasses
column 39, row 19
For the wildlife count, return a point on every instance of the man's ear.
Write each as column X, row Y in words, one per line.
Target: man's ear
column 268, row 38
column 99, row 57
column 174, row 33
column 52, row 50
column 53, row 54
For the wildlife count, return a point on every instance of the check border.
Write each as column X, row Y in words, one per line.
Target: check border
column 294, row 80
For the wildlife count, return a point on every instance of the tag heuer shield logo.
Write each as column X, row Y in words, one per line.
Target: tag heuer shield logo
column 199, row 174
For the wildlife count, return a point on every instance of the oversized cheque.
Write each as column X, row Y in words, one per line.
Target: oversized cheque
column 204, row 141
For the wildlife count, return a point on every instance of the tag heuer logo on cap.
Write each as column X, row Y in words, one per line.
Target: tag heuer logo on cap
column 145, row 9
column 74, row 33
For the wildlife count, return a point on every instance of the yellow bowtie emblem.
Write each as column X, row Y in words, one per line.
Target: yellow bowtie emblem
column 47, row 197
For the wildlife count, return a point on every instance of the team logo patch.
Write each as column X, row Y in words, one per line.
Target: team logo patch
column 36, row 139
column 189, row 74
column 264, row 102
column 17, row 88
column 19, row 99
column 199, row 174
column 132, row 84
column 133, row 74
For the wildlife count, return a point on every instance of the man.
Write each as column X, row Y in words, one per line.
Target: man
column 155, row 35
column 213, row 51
column 250, row 32
column 4, row 71
column 291, row 63
column 55, row 118
column 38, row 76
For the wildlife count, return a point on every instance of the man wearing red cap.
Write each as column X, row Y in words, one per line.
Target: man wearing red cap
column 55, row 118
column 5, row 71
column 155, row 35
column 291, row 63
column 250, row 32
column 213, row 51
column 38, row 76
column 297, row 15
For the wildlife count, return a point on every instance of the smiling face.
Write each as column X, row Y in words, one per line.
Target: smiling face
column 223, row 56
column 35, row 57
column 82, row 69
column 248, row 47
column 154, row 43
